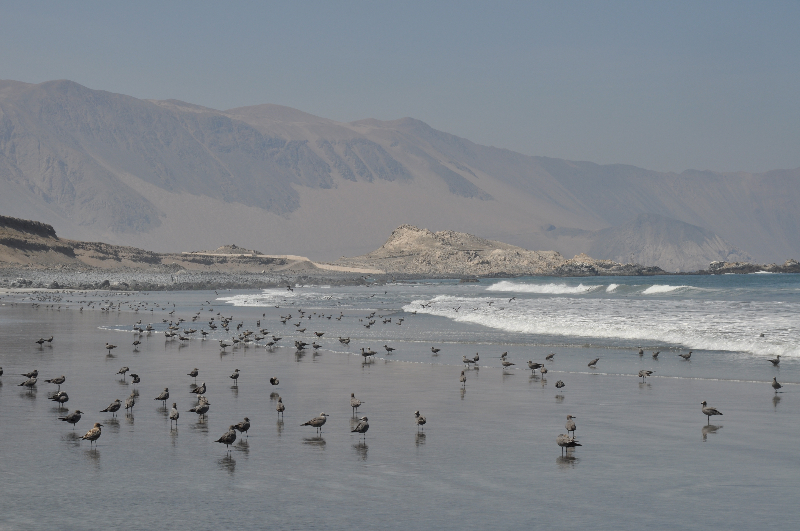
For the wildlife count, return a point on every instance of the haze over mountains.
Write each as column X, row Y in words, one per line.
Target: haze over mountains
column 169, row 175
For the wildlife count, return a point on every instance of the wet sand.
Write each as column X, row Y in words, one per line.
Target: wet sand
column 487, row 459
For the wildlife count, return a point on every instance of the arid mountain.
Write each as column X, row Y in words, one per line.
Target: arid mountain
column 167, row 175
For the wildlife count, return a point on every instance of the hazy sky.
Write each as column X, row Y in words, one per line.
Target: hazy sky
column 663, row 85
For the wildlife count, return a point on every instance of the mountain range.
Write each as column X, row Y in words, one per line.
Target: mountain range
column 166, row 175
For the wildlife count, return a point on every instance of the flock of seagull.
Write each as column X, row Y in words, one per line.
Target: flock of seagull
column 247, row 338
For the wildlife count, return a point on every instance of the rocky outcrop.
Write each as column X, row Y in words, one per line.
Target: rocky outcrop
column 414, row 251
column 721, row 267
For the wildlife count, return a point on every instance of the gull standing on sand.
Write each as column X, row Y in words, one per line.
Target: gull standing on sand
column 201, row 408
column 317, row 422
column 235, row 377
column 686, row 356
column 280, row 408
column 709, row 411
column 163, row 396
column 72, row 418
column 361, row 427
column 174, row 415
column 58, row 381
column 109, row 348
column 644, row 374
column 571, row 425
column 61, row 397
column 533, row 366
column 355, row 403
column 593, row 363
column 463, row 379
column 243, row 426
column 33, row 374
column 550, row 356
column 564, row 441
column 229, row 437
column 122, row 371
column 506, row 364
column 466, row 361
column 420, row 420
column 193, row 373
column 129, row 403
column 775, row 384
column 776, row 361
column 93, row 434
column 200, row 390
column 113, row 408
column 29, row 383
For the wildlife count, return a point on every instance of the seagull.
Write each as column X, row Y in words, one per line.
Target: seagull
column 58, row 381
column 235, row 377
column 72, row 418
column 463, row 379
column 61, row 397
column 93, row 434
column 571, row 425
column 641, row 351
column 389, row 350
column 361, row 427
column 564, row 441
column 109, row 348
column 645, row 373
column 174, row 415
column 686, row 356
column 113, row 408
column 593, row 362
column 560, row 384
column 476, row 358
column 193, row 373
column 421, row 421
column 135, row 378
column 122, row 371
column 130, row 402
column 435, row 350
column 201, row 408
column 317, row 422
column 163, row 396
column 355, row 403
column 200, row 390
column 280, row 408
column 776, row 361
column 274, row 381
column 29, row 383
column 550, row 356
column 775, row 384
column 709, row 411
column 533, row 366
column 243, row 426
column 32, row 374
column 228, row 438
column 467, row 361
column 506, row 364
column 655, row 354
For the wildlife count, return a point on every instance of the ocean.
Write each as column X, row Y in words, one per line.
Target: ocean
column 487, row 456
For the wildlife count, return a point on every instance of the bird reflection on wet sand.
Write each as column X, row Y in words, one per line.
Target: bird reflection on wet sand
column 279, row 426
column 775, row 401
column 420, row 438
column 361, row 448
column 227, row 463
column 559, row 398
column 243, row 446
column 709, row 428
column 319, row 442
column 567, row 461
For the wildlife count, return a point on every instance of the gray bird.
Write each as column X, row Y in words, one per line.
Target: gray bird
column 193, row 373
column 355, row 403
column 280, row 408
column 174, row 415
column 775, row 384
column 361, row 427
column 274, row 381
column 506, row 364
column 686, row 356
column 593, row 362
column 113, row 408
column 550, row 356
column 58, row 381
column 564, row 441
column 776, row 361
column 122, row 371
column 228, row 438
column 93, row 434
column 235, row 377
column 164, row 396
column 72, row 418
column 466, row 361
column 201, row 408
column 560, row 384
column 420, row 420
column 533, row 366
column 709, row 411
column 33, row 374
column 645, row 373
column 129, row 403
column 463, row 379
column 243, row 426
column 571, row 425
column 199, row 390
column 435, row 350
column 135, row 378
column 29, row 383
column 317, row 422
column 61, row 397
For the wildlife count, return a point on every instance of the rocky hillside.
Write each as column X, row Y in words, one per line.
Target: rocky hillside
column 414, row 251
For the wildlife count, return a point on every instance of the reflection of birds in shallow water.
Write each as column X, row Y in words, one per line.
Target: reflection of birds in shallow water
column 228, row 463
column 559, row 398
column 709, row 428
column 319, row 442
column 361, row 448
column 279, row 426
column 567, row 461
column 463, row 391
column 775, row 400
column 420, row 438
column 243, row 446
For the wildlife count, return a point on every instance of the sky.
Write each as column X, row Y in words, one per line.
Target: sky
column 667, row 86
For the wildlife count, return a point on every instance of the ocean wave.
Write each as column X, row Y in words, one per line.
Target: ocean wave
column 611, row 288
column 544, row 289
column 662, row 288
column 693, row 324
